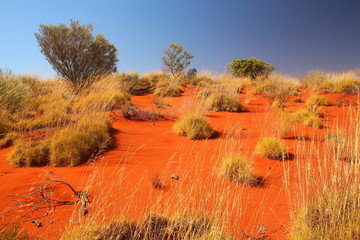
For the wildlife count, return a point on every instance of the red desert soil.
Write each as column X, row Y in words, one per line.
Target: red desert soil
column 120, row 180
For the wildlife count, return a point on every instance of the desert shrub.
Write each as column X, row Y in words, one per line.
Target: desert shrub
column 238, row 169
column 171, row 90
column 200, row 81
column 313, row 80
column 344, row 82
column 162, row 102
column 317, row 100
column 224, row 102
column 13, row 234
column 284, row 124
column 332, row 215
column 251, row 67
column 272, row 148
column 120, row 229
column 308, row 118
column 29, row 153
column 150, row 80
column 76, row 144
column 9, row 139
column 176, row 60
column 138, row 114
column 100, row 102
column 179, row 227
column 194, row 126
column 278, row 88
column 13, row 92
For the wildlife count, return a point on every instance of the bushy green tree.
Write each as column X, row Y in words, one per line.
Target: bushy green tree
column 251, row 67
column 176, row 59
column 75, row 54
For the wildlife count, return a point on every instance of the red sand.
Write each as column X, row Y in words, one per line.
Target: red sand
column 121, row 179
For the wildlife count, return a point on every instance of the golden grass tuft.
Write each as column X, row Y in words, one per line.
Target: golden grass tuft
column 285, row 124
column 172, row 90
column 272, row 148
column 333, row 215
column 101, row 102
column 9, row 139
column 308, row 118
column 29, row 153
column 317, row 100
column 194, row 126
column 238, row 169
column 76, row 144
column 224, row 102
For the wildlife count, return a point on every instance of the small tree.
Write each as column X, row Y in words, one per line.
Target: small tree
column 75, row 54
column 251, row 67
column 176, row 59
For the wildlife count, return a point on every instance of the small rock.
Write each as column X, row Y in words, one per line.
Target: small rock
column 37, row 223
column 175, row 177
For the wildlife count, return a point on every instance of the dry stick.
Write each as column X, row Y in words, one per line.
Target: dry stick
column 36, row 199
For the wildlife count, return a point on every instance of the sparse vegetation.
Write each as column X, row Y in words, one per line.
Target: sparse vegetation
column 224, row 102
column 272, row 148
column 176, row 59
column 76, row 144
column 238, row 169
column 171, row 90
column 194, row 126
column 308, row 118
column 251, row 67
column 332, row 215
column 317, row 100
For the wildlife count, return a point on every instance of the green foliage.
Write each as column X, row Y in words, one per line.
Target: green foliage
column 176, row 59
column 333, row 215
column 75, row 54
column 224, row 102
column 238, row 169
column 251, row 67
column 194, row 126
column 29, row 153
column 272, row 148
column 76, row 144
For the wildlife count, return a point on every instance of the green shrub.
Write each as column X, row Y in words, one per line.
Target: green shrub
column 224, row 102
column 307, row 118
column 194, row 126
column 76, row 144
column 317, row 100
column 100, row 102
column 172, row 90
column 29, row 153
column 272, row 148
column 333, row 215
column 238, row 169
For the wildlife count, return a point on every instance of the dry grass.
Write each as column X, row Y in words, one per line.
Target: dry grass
column 272, row 148
column 238, row 168
column 307, row 118
column 284, row 124
column 224, row 102
column 76, row 144
column 172, row 90
column 317, row 100
column 194, row 126
column 29, row 153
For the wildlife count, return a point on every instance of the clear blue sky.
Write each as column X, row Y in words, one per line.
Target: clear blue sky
column 294, row 35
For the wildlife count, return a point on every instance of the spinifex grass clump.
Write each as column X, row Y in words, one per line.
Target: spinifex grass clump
column 272, row 148
column 102, row 101
column 194, row 126
column 171, row 90
column 317, row 100
column 76, row 144
column 224, row 102
column 238, row 169
column 308, row 118
column 285, row 124
column 333, row 215
column 29, row 153
column 155, row 226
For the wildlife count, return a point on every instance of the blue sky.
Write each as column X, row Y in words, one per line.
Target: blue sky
column 294, row 35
